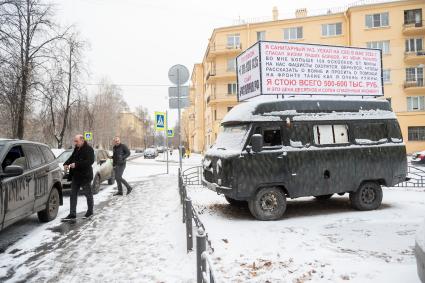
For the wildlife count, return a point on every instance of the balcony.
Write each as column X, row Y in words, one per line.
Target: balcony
column 414, row 87
column 414, row 28
column 223, row 75
column 222, row 98
column 417, row 57
column 216, row 50
column 210, row 74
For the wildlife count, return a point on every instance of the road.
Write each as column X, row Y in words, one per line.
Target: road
column 138, row 238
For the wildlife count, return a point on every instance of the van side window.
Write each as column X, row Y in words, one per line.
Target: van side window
column 15, row 156
column 370, row 133
column 394, row 131
column 299, row 135
column 272, row 137
column 330, row 134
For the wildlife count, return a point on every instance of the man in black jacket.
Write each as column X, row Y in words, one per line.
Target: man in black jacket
column 119, row 158
column 81, row 174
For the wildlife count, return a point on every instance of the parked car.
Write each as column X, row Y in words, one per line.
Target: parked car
column 139, row 150
column 150, row 153
column 268, row 151
column 418, row 158
column 30, row 182
column 102, row 169
column 161, row 149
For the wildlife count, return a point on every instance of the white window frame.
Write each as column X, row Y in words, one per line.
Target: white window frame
column 408, row 44
column 293, row 33
column 384, row 45
column 386, row 75
column 415, row 74
column 233, row 88
column 233, row 41
column 331, row 29
column 415, row 103
column 231, row 65
column 372, row 19
column 261, row 35
column 330, row 134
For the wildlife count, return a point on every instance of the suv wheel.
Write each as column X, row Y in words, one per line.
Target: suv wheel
column 52, row 207
column 234, row 202
column 367, row 197
column 268, row 204
column 96, row 184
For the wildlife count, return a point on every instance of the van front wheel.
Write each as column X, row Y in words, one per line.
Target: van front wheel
column 268, row 204
column 367, row 197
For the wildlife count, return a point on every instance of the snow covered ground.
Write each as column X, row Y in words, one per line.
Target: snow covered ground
column 140, row 238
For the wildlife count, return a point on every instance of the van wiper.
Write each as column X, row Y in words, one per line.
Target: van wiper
column 222, row 148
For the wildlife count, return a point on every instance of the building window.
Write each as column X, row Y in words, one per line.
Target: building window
column 229, row 108
column 383, row 45
column 231, row 65
column 413, row 17
column 293, row 33
column 415, row 103
column 261, row 35
column 330, row 134
column 386, row 75
column 415, row 75
column 233, row 41
column 232, row 88
column 416, row 133
column 331, row 29
column 377, row 20
column 414, row 44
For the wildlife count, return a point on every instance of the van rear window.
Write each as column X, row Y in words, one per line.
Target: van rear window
column 370, row 133
column 330, row 134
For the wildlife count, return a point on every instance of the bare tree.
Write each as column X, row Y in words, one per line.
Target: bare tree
column 63, row 88
column 27, row 32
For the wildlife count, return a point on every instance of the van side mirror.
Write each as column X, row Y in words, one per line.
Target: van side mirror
column 12, row 171
column 257, row 143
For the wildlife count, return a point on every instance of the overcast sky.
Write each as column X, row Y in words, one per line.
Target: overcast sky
column 135, row 42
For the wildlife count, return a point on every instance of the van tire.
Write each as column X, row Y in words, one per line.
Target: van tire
column 52, row 207
column 235, row 202
column 323, row 197
column 367, row 197
column 268, row 204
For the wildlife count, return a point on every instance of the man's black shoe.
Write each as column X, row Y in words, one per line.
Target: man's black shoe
column 129, row 190
column 88, row 214
column 117, row 194
column 69, row 217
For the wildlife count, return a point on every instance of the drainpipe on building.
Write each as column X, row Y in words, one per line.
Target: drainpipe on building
column 348, row 28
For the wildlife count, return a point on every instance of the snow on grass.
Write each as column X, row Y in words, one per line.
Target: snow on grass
column 317, row 241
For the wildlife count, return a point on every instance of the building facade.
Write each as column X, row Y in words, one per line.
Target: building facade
column 397, row 28
column 131, row 130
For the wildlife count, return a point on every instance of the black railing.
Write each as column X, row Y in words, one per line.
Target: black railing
column 416, row 177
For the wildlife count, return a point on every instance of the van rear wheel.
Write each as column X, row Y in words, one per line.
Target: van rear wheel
column 268, row 204
column 367, row 197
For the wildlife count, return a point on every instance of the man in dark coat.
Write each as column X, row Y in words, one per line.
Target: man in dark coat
column 119, row 158
column 81, row 175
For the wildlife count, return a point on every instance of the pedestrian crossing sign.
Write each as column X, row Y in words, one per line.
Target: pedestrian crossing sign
column 160, row 121
column 88, row 136
column 170, row 133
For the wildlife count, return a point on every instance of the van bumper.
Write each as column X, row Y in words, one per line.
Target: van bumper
column 216, row 188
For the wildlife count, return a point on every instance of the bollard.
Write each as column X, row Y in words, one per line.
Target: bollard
column 201, row 246
column 189, row 229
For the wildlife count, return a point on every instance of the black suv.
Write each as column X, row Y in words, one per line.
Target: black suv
column 29, row 182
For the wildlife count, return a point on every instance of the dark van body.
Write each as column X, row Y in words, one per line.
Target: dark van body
column 292, row 148
column 30, row 182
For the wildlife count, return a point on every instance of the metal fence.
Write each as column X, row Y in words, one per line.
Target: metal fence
column 204, row 266
column 416, row 177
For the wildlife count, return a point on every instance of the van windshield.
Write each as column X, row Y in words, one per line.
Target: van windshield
column 231, row 137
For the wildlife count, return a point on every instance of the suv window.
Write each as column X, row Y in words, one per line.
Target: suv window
column 330, row 134
column 370, row 132
column 34, row 156
column 15, row 156
column 47, row 153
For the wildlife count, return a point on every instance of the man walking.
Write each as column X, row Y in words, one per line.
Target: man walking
column 81, row 175
column 119, row 158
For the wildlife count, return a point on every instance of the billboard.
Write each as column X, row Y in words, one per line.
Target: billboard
column 282, row 68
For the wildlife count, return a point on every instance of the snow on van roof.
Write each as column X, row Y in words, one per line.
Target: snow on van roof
column 310, row 108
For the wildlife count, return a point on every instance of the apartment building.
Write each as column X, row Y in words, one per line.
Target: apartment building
column 131, row 130
column 395, row 27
